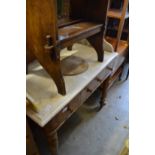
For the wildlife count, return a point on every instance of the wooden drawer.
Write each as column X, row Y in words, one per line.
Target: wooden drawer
column 111, row 64
column 103, row 75
column 117, row 63
column 64, row 114
column 88, row 90
column 59, row 119
column 75, row 103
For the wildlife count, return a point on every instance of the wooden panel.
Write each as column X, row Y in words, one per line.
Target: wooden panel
column 122, row 45
column 40, row 21
column 64, row 114
column 73, row 33
column 118, row 61
column 94, row 85
column 89, row 90
column 77, row 29
column 103, row 75
column 66, row 21
column 41, row 27
column 75, row 103
column 114, row 13
column 89, row 9
column 121, row 24
column 59, row 119
column 29, row 57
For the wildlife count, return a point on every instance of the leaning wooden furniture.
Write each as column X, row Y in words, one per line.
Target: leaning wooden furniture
column 120, row 46
column 48, row 110
column 121, row 14
column 46, row 35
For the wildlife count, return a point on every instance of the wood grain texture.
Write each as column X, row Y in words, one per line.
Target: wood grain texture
column 41, row 21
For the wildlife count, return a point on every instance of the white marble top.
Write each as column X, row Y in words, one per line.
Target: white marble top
column 42, row 92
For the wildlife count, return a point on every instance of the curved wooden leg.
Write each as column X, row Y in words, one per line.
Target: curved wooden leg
column 55, row 70
column 58, row 77
column 97, row 42
column 50, row 60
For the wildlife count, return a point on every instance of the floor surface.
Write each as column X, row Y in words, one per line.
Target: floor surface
column 89, row 132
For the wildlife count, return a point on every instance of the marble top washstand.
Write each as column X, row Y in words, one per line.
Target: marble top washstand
column 42, row 92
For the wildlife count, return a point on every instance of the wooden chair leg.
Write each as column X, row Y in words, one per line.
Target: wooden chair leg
column 97, row 42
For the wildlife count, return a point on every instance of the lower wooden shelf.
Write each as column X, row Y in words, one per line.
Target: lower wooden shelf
column 67, row 21
column 78, row 31
column 122, row 46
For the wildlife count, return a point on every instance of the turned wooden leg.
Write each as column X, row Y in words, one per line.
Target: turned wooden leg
column 127, row 75
column 45, row 137
column 52, row 139
column 120, row 77
column 104, row 88
column 97, row 42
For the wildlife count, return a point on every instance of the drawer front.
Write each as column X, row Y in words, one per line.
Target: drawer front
column 59, row 119
column 117, row 63
column 103, row 75
column 64, row 114
column 88, row 90
column 111, row 64
column 75, row 103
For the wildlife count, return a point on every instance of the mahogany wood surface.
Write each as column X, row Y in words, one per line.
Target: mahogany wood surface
column 41, row 21
column 120, row 46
